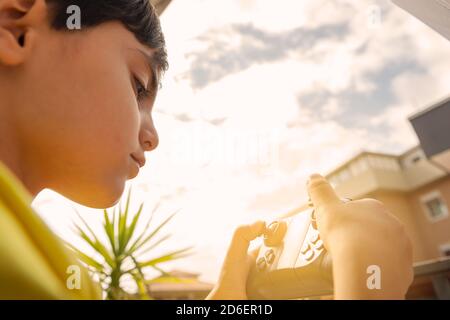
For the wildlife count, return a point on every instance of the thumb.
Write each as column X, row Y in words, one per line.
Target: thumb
column 243, row 235
column 321, row 192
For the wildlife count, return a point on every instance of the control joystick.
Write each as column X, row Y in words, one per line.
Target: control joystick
column 292, row 262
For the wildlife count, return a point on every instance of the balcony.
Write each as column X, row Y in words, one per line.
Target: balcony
column 369, row 172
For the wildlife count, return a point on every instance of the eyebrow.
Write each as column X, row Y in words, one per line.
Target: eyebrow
column 153, row 66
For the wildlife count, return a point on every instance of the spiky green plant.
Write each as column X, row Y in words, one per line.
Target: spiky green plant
column 122, row 253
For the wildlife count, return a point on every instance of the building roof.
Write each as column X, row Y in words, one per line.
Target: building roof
column 432, row 128
column 160, row 5
column 433, row 13
column 371, row 171
column 181, row 274
column 432, row 106
column 178, row 281
column 362, row 154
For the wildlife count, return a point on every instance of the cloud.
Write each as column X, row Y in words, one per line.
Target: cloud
column 353, row 108
column 235, row 49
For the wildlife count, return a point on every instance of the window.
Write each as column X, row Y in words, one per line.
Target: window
column 434, row 206
column 445, row 250
column 413, row 158
column 416, row 159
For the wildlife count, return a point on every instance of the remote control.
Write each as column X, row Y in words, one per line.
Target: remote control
column 292, row 263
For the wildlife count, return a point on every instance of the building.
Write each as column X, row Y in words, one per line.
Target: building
column 434, row 13
column 179, row 285
column 433, row 129
column 415, row 189
column 415, row 186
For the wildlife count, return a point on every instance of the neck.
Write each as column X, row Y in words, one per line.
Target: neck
column 11, row 155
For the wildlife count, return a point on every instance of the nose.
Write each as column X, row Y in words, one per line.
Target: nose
column 149, row 139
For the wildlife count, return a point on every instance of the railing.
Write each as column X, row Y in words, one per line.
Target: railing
column 431, row 280
column 363, row 163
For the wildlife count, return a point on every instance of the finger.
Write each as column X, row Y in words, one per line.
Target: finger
column 254, row 254
column 321, row 192
column 241, row 240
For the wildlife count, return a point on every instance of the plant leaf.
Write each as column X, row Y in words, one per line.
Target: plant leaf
column 141, row 243
column 147, row 225
column 154, row 245
column 123, row 215
column 97, row 246
column 86, row 259
column 131, row 228
column 167, row 257
column 109, row 229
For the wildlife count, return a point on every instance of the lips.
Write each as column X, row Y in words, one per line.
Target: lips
column 139, row 160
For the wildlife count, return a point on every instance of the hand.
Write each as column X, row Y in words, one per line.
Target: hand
column 359, row 234
column 233, row 277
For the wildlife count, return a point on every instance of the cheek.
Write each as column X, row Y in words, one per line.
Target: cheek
column 86, row 115
column 103, row 132
column 106, row 110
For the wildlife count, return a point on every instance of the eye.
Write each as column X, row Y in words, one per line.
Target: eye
column 142, row 92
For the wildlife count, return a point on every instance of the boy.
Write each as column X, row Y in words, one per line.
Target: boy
column 75, row 117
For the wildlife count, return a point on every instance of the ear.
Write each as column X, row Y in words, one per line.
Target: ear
column 19, row 20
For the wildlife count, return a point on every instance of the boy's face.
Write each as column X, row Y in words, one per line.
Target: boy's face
column 83, row 118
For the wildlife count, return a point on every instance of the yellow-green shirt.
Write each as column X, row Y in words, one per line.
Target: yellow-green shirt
column 34, row 262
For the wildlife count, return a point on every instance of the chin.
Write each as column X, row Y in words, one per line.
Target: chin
column 104, row 196
column 109, row 198
column 102, row 203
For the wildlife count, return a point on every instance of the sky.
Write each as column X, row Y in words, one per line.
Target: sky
column 259, row 95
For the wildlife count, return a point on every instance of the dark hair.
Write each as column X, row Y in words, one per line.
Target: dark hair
column 138, row 16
